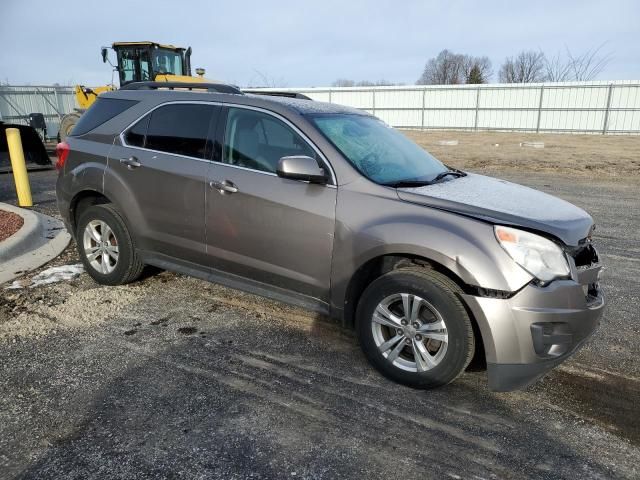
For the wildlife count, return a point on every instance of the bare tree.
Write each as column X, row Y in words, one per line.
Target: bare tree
column 570, row 67
column 449, row 68
column 526, row 67
column 476, row 69
column 557, row 69
column 343, row 82
column 588, row 65
column 265, row 81
column 445, row 69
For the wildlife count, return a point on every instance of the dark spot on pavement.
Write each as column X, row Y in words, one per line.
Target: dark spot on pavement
column 187, row 330
column 131, row 332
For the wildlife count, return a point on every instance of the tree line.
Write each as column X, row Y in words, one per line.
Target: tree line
column 528, row 66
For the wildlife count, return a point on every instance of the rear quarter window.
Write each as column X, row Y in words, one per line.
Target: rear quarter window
column 102, row 110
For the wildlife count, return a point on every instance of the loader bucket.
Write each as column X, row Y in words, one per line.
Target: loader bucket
column 35, row 153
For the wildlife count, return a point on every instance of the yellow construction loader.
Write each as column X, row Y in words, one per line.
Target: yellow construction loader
column 135, row 62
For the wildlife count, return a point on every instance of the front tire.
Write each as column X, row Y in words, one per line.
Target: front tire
column 105, row 246
column 414, row 329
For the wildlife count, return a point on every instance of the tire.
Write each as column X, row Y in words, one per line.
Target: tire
column 66, row 125
column 444, row 330
column 111, row 266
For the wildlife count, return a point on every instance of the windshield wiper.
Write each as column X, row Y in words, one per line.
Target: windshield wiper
column 455, row 172
column 422, row 183
column 408, row 183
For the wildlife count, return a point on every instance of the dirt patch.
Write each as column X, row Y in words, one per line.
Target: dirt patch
column 10, row 223
column 597, row 156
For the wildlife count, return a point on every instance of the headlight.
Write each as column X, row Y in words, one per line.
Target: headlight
column 537, row 255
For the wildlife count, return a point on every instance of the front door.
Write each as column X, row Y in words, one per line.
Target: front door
column 161, row 172
column 263, row 227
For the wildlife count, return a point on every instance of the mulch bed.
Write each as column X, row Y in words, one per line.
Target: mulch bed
column 10, row 223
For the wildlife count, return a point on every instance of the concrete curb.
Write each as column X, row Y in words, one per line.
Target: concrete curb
column 41, row 239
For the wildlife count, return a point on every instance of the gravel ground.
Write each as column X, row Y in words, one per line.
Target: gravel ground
column 173, row 377
column 10, row 223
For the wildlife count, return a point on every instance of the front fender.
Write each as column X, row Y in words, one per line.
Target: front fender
column 370, row 226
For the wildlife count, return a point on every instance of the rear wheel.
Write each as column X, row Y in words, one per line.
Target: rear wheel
column 414, row 329
column 106, row 247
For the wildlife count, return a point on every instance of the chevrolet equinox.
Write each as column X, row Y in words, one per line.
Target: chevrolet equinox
column 328, row 208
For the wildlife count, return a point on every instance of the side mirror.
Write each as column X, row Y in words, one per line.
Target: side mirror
column 103, row 51
column 300, row 167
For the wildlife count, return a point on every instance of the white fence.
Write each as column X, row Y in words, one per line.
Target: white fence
column 17, row 102
column 577, row 107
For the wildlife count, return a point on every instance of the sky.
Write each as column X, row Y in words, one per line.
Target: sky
column 308, row 43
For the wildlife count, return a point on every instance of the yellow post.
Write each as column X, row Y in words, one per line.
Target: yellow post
column 19, row 167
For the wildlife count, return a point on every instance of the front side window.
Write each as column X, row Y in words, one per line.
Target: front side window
column 376, row 150
column 257, row 140
column 181, row 129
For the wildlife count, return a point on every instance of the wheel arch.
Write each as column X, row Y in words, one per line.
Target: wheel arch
column 381, row 264
column 82, row 200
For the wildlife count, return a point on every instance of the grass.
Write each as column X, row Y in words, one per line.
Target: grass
column 609, row 157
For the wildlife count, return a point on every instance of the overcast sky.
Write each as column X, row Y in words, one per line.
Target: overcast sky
column 308, row 43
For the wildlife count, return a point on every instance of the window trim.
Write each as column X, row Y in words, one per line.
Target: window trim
column 332, row 181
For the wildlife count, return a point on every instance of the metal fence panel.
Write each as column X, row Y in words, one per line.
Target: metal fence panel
column 603, row 107
column 580, row 107
column 17, row 102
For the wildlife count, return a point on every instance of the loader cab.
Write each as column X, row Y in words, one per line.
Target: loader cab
column 145, row 61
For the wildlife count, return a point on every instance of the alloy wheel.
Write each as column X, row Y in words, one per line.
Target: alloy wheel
column 409, row 332
column 100, row 246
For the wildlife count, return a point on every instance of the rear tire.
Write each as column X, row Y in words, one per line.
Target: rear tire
column 427, row 347
column 106, row 247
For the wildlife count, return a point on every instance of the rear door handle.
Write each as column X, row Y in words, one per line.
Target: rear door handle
column 131, row 162
column 223, row 187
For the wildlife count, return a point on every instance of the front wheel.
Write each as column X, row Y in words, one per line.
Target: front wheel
column 414, row 329
column 106, row 247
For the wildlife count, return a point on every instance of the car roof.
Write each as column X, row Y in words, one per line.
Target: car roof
column 300, row 106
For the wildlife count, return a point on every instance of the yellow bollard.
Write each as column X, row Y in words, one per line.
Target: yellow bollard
column 19, row 168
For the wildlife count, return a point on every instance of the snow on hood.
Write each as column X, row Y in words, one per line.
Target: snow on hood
column 500, row 201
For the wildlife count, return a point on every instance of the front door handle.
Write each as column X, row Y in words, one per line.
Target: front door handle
column 131, row 162
column 223, row 187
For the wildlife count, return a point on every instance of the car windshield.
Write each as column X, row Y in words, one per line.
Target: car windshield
column 167, row 61
column 378, row 151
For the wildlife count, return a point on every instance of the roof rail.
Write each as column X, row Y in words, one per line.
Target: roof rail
column 301, row 96
column 210, row 87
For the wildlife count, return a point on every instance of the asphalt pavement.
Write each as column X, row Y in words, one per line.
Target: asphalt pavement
column 173, row 377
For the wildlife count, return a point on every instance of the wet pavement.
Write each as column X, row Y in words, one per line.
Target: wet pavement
column 173, row 377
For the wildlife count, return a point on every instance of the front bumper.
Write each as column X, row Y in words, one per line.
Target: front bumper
column 539, row 327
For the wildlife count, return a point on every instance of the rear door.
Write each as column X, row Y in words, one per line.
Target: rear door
column 159, row 176
column 260, row 226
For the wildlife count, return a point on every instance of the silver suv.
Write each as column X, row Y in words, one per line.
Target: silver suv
column 328, row 208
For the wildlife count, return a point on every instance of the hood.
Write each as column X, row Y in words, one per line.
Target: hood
column 506, row 203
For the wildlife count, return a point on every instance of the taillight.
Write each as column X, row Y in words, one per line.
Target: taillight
column 62, row 151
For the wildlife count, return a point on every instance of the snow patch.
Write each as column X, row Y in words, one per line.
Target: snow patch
column 51, row 275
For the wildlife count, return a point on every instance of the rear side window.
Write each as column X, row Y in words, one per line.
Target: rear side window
column 102, row 110
column 135, row 136
column 181, row 129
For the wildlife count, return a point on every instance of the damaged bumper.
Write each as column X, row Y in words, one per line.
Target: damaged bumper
column 531, row 332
